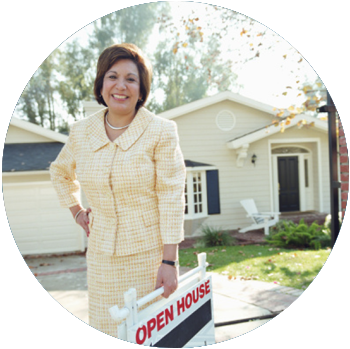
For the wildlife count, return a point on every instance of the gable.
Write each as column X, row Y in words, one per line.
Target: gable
column 229, row 118
column 269, row 130
column 21, row 131
column 208, row 101
column 19, row 135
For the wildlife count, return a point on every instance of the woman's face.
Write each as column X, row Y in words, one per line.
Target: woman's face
column 121, row 88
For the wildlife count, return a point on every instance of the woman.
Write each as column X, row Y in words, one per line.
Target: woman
column 131, row 169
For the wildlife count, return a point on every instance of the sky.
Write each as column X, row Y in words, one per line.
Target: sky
column 276, row 70
column 265, row 78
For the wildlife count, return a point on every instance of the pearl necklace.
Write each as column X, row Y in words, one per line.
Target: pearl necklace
column 113, row 127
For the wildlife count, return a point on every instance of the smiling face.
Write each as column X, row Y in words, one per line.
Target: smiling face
column 121, row 88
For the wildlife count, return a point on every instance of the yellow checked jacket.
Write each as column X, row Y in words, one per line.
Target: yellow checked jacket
column 134, row 185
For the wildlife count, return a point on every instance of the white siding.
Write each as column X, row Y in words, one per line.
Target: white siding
column 201, row 140
column 38, row 223
column 19, row 135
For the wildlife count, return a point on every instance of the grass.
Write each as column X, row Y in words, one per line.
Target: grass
column 292, row 268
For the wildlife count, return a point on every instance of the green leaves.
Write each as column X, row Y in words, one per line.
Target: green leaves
column 292, row 235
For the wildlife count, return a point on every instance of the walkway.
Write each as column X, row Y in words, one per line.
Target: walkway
column 64, row 277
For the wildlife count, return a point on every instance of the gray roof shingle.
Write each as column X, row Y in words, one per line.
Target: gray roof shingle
column 38, row 157
column 29, row 156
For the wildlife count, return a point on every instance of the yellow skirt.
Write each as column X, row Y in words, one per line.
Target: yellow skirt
column 109, row 277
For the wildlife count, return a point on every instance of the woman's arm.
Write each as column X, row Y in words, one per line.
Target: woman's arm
column 64, row 180
column 167, row 274
column 170, row 185
column 63, row 176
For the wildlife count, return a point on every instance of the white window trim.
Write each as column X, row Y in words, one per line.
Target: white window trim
column 190, row 195
column 274, row 202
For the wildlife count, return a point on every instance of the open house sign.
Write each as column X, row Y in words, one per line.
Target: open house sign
column 186, row 321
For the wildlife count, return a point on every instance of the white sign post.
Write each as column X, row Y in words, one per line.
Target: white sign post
column 184, row 320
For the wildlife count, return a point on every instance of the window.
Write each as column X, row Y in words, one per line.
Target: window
column 195, row 194
column 201, row 193
column 306, row 171
column 289, row 150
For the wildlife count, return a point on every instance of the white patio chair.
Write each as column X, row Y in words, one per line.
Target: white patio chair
column 260, row 219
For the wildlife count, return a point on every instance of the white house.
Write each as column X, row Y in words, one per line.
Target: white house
column 219, row 137
column 38, row 223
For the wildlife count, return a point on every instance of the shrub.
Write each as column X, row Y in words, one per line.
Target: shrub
column 215, row 236
column 292, row 235
column 279, row 226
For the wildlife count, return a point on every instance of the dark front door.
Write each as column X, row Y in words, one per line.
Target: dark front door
column 288, row 179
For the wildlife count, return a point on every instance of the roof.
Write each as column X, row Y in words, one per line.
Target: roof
column 222, row 96
column 38, row 157
column 29, row 126
column 270, row 129
column 92, row 106
column 29, row 156
column 190, row 163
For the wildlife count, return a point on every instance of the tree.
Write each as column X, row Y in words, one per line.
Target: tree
column 75, row 65
column 195, row 55
column 37, row 102
column 187, row 65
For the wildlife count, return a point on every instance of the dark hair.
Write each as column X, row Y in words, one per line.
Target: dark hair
column 113, row 54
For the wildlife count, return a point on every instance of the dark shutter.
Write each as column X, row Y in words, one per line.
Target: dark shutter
column 213, row 192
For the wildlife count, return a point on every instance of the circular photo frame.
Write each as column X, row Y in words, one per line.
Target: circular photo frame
column 218, row 164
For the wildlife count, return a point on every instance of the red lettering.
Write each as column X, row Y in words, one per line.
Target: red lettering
column 207, row 289
column 151, row 325
column 194, row 295
column 180, row 305
column 160, row 321
column 201, row 291
column 188, row 300
column 138, row 339
column 169, row 314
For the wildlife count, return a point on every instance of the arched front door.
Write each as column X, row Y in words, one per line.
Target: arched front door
column 293, row 178
column 288, row 179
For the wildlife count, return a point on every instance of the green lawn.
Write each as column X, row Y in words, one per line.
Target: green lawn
column 292, row 268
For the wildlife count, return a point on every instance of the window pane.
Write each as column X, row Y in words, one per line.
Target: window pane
column 195, row 198
column 195, row 188
column 306, row 165
column 289, row 150
column 200, row 197
column 200, row 187
column 195, row 209
column 200, row 208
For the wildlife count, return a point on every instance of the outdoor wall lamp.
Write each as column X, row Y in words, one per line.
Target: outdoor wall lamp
column 254, row 157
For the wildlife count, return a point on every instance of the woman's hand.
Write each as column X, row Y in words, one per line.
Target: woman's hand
column 167, row 277
column 83, row 220
column 83, row 217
